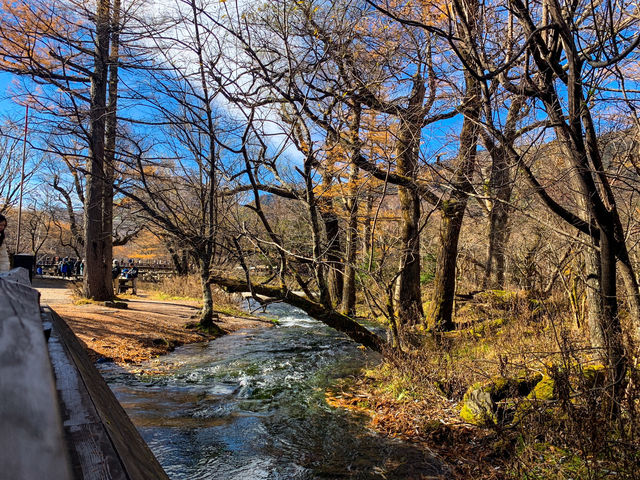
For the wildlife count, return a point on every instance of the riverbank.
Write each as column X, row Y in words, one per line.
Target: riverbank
column 146, row 329
column 514, row 393
column 421, row 416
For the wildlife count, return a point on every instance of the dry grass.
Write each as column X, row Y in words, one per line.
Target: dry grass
column 188, row 288
column 572, row 436
column 174, row 287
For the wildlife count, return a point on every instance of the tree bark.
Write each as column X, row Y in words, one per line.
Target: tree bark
column 500, row 186
column 333, row 241
column 348, row 305
column 610, row 321
column 335, row 262
column 180, row 261
column 408, row 294
column 367, row 240
column 111, row 128
column 97, row 282
column 207, row 315
column 440, row 315
column 328, row 316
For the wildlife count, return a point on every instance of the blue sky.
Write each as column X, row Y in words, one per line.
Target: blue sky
column 9, row 107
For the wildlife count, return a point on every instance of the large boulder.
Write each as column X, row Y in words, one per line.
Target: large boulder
column 544, row 395
column 478, row 407
column 544, row 390
column 484, row 402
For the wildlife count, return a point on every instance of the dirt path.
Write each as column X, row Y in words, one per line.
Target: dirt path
column 145, row 329
column 53, row 291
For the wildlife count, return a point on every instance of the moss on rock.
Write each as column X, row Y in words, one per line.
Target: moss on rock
column 478, row 407
column 594, row 376
column 480, row 402
column 544, row 389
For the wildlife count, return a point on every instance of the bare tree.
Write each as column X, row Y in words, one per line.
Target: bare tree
column 10, row 165
column 560, row 57
column 71, row 50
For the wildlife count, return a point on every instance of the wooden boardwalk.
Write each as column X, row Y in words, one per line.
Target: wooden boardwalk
column 58, row 417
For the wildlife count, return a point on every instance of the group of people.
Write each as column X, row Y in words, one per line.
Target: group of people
column 68, row 267
column 128, row 272
column 65, row 267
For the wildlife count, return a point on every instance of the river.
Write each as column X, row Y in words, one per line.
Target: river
column 251, row 406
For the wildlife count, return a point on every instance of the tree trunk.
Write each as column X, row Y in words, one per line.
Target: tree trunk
column 180, row 261
column 111, row 128
column 318, row 264
column 367, row 241
column 348, row 306
column 595, row 311
column 605, row 331
column 334, row 252
column 334, row 255
column 440, row 316
column 207, row 315
column 97, row 282
column 408, row 294
column 500, row 244
column 500, row 189
column 610, row 321
column 494, row 274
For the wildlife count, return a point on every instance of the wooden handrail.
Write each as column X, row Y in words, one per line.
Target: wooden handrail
column 32, row 442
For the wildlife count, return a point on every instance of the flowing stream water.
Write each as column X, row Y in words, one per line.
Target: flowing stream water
column 251, row 406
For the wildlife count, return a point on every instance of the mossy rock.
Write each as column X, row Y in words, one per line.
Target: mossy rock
column 542, row 397
column 544, row 390
column 498, row 298
column 591, row 377
column 480, row 402
column 488, row 327
column 478, row 407
column 594, row 376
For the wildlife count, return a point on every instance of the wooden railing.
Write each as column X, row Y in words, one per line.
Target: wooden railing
column 32, row 441
column 58, row 418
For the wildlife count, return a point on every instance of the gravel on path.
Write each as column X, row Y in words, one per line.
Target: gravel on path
column 53, row 291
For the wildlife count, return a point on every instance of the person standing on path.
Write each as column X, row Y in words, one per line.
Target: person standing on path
column 132, row 273
column 115, row 275
column 4, row 254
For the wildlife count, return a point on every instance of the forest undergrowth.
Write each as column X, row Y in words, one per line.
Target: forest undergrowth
column 514, row 392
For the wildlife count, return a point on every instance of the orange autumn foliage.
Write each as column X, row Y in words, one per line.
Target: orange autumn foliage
column 35, row 36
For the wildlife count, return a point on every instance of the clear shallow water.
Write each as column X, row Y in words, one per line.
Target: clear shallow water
column 251, row 406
